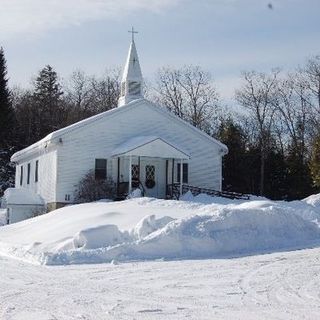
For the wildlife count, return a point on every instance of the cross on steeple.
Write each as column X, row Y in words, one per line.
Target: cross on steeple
column 132, row 33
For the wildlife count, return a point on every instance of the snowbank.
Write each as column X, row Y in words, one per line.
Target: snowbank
column 313, row 200
column 145, row 228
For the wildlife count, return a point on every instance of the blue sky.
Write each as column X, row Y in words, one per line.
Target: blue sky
column 225, row 37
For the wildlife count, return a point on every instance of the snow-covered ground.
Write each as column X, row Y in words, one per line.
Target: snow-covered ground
column 272, row 286
column 195, row 259
column 148, row 229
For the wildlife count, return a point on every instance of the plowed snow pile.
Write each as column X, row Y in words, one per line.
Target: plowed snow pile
column 146, row 228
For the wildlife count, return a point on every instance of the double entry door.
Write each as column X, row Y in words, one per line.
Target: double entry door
column 151, row 173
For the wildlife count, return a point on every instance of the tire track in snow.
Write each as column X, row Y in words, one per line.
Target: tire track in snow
column 279, row 285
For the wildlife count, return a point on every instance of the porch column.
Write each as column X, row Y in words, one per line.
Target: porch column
column 130, row 175
column 181, row 178
column 118, row 177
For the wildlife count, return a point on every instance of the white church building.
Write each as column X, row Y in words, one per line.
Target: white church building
column 136, row 144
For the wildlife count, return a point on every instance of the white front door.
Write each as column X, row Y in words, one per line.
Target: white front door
column 153, row 177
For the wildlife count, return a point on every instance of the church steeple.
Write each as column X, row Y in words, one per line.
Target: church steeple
column 131, row 82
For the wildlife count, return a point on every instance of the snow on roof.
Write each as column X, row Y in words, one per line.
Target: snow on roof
column 163, row 148
column 21, row 196
column 58, row 133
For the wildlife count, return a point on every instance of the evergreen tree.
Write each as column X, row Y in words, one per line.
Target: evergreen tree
column 47, row 99
column 276, row 186
column 234, row 165
column 6, row 112
column 6, row 129
column 315, row 162
column 299, row 180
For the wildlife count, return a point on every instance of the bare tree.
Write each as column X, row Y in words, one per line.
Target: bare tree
column 312, row 72
column 78, row 89
column 257, row 95
column 169, row 91
column 309, row 79
column 189, row 93
column 294, row 110
column 105, row 91
column 87, row 96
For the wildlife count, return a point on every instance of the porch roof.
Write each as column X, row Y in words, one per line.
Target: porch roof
column 149, row 146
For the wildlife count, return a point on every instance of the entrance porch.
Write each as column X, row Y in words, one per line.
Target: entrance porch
column 148, row 163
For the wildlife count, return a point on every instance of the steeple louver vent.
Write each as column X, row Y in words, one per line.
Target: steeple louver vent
column 134, row 88
column 132, row 81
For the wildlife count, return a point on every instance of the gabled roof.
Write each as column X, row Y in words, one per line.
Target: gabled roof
column 150, row 146
column 54, row 136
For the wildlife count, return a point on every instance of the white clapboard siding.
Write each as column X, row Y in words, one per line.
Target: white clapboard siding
column 80, row 147
column 46, row 185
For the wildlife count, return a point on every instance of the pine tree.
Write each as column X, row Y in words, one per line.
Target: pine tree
column 48, row 102
column 6, row 129
column 6, row 112
column 234, row 165
column 315, row 162
column 299, row 176
column 276, row 187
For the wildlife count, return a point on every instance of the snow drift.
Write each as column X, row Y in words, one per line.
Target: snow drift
column 145, row 228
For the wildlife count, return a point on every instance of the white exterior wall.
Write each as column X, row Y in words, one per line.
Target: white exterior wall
column 81, row 147
column 46, row 185
column 18, row 213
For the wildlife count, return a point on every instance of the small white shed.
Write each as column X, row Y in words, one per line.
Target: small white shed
column 21, row 204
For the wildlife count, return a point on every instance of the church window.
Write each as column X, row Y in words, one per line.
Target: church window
column 150, row 176
column 150, row 173
column 135, row 175
column 185, row 172
column 28, row 173
column 36, row 172
column 101, row 169
column 134, row 88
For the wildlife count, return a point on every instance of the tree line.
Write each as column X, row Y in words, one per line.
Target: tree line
column 272, row 130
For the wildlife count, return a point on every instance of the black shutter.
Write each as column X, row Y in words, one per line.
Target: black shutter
column 100, row 169
column 185, row 172
column 28, row 175
column 36, row 171
column 21, row 175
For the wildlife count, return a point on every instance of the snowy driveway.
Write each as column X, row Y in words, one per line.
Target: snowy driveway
column 274, row 286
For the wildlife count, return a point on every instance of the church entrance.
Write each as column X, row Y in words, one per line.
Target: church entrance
column 143, row 160
column 152, row 176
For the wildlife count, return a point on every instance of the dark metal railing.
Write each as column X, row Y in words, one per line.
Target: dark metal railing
column 173, row 192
